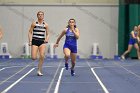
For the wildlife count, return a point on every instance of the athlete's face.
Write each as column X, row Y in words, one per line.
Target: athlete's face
column 71, row 23
column 40, row 16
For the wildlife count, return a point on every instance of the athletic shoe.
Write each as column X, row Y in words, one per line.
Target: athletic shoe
column 122, row 57
column 66, row 66
column 39, row 73
column 72, row 72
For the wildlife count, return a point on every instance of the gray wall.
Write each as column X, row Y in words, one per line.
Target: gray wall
column 97, row 23
column 59, row 1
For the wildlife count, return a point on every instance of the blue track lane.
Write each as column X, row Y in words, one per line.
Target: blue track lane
column 118, row 76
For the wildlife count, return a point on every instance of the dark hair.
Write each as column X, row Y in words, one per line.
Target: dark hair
column 69, row 21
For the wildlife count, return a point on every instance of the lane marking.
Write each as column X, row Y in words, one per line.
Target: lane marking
column 50, row 86
column 2, row 69
column 28, row 82
column 129, row 71
column 13, row 67
column 100, row 82
column 14, row 74
column 80, row 82
column 12, row 85
column 58, row 82
column 98, row 79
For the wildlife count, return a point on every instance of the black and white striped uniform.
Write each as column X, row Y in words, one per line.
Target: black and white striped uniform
column 39, row 34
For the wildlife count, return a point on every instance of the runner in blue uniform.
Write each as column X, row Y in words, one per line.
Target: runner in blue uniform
column 133, row 41
column 70, row 46
column 38, row 36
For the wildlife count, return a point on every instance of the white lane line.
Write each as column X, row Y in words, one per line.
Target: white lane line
column 129, row 71
column 100, row 82
column 52, row 81
column 14, row 74
column 12, row 85
column 58, row 82
column 98, row 79
column 12, row 67
column 2, row 69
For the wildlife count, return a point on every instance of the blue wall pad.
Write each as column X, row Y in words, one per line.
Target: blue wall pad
column 4, row 56
column 96, row 57
column 116, row 57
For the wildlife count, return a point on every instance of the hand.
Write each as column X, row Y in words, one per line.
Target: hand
column 55, row 45
column 73, row 30
column 46, row 41
column 30, row 43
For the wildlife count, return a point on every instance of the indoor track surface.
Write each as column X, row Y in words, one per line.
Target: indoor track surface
column 91, row 76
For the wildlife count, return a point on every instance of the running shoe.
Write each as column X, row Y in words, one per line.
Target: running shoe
column 39, row 73
column 72, row 72
column 122, row 57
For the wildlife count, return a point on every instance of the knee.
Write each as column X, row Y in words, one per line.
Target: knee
column 42, row 57
column 67, row 56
